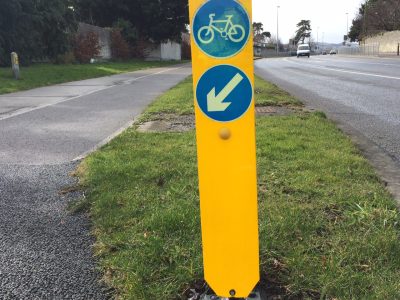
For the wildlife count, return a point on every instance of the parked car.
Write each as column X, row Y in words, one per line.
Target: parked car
column 324, row 52
column 333, row 52
column 303, row 50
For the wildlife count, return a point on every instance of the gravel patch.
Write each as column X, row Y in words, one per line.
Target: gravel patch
column 46, row 252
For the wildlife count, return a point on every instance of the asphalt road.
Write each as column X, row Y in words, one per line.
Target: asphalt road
column 361, row 93
column 45, row 250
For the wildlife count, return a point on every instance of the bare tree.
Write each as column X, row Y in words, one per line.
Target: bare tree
column 272, row 40
column 376, row 16
column 382, row 15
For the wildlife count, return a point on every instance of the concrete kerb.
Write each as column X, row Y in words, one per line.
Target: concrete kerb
column 106, row 140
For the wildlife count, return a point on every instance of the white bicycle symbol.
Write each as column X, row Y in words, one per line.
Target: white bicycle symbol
column 235, row 33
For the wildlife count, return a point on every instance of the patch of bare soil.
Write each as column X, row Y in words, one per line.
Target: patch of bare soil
column 274, row 111
column 181, row 123
column 168, row 123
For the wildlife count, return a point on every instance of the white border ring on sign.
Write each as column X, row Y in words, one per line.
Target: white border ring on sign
column 241, row 116
column 236, row 53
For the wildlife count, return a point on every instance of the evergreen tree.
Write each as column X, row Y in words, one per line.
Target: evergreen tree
column 259, row 34
column 156, row 20
column 303, row 31
column 34, row 29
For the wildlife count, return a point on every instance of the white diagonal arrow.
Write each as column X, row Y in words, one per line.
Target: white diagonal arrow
column 216, row 103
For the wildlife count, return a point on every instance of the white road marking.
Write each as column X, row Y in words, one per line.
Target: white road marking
column 344, row 71
column 356, row 62
column 27, row 110
column 116, row 133
column 105, row 141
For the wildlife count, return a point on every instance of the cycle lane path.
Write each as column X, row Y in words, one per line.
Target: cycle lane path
column 46, row 251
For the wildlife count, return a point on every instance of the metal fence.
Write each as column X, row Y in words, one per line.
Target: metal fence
column 369, row 50
column 265, row 52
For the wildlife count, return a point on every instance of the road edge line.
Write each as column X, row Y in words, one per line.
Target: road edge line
column 106, row 140
column 343, row 71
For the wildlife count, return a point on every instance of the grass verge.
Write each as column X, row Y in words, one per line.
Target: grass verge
column 39, row 75
column 179, row 100
column 328, row 227
column 267, row 93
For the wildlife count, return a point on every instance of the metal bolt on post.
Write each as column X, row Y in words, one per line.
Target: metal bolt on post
column 252, row 296
column 15, row 64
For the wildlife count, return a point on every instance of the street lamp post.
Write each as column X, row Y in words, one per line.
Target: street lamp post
column 347, row 33
column 318, row 40
column 277, row 30
column 365, row 19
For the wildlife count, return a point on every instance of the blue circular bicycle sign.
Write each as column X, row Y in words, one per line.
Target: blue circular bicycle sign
column 224, row 93
column 221, row 28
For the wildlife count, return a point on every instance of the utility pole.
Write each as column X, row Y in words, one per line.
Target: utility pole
column 347, row 33
column 277, row 30
column 318, row 40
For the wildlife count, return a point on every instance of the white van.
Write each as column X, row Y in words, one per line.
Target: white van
column 303, row 50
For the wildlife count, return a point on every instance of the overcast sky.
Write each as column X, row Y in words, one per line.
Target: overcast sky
column 329, row 16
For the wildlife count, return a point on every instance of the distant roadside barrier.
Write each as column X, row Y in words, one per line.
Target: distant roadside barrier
column 265, row 53
column 374, row 49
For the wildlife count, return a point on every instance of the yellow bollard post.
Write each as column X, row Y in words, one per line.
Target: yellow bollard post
column 15, row 65
column 223, row 76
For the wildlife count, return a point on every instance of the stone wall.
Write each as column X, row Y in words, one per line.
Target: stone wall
column 104, row 38
column 388, row 42
column 171, row 51
column 165, row 51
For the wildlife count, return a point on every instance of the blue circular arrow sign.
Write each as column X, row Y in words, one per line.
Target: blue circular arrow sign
column 221, row 28
column 224, row 93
